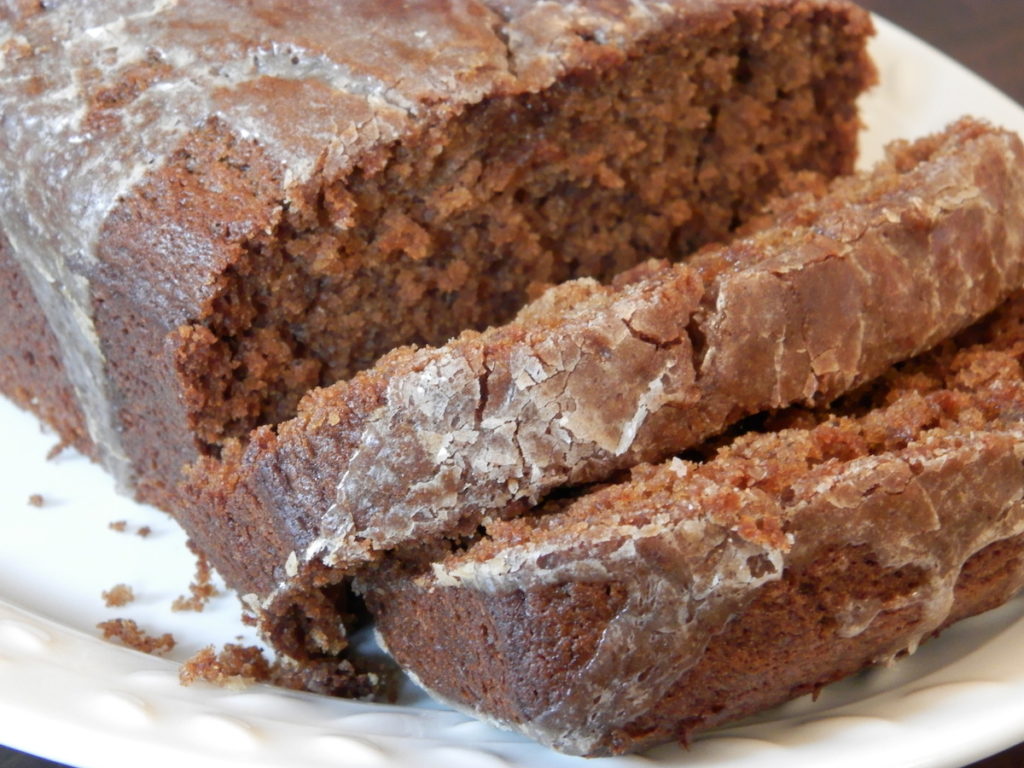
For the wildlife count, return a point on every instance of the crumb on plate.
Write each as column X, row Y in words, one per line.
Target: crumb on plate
column 128, row 633
column 238, row 666
column 57, row 450
column 202, row 588
column 118, row 595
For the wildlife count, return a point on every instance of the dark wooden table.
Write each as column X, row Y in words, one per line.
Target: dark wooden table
column 987, row 36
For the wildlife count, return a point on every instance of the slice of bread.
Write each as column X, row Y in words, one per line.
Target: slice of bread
column 702, row 591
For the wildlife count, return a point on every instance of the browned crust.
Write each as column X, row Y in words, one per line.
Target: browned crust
column 164, row 251
column 509, row 648
column 31, row 369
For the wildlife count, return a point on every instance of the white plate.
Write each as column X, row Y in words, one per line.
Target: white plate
column 68, row 696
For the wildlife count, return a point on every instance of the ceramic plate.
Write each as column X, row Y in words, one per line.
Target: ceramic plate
column 69, row 696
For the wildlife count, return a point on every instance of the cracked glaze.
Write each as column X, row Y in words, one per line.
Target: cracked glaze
column 96, row 96
column 909, row 484
column 798, row 313
column 478, row 426
column 880, row 271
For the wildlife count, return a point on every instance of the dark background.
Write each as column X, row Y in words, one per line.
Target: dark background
column 987, row 36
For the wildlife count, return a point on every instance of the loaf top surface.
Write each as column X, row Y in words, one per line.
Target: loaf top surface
column 95, row 94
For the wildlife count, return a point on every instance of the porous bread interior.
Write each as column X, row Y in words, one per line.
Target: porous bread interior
column 457, row 226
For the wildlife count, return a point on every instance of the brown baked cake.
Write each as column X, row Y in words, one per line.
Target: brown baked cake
column 699, row 592
column 431, row 443
column 208, row 208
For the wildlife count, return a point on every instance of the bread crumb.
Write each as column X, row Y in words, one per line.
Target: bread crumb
column 36, row 500
column 57, row 450
column 122, row 525
column 128, row 633
column 236, row 666
column 201, row 588
column 239, row 666
column 118, row 595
